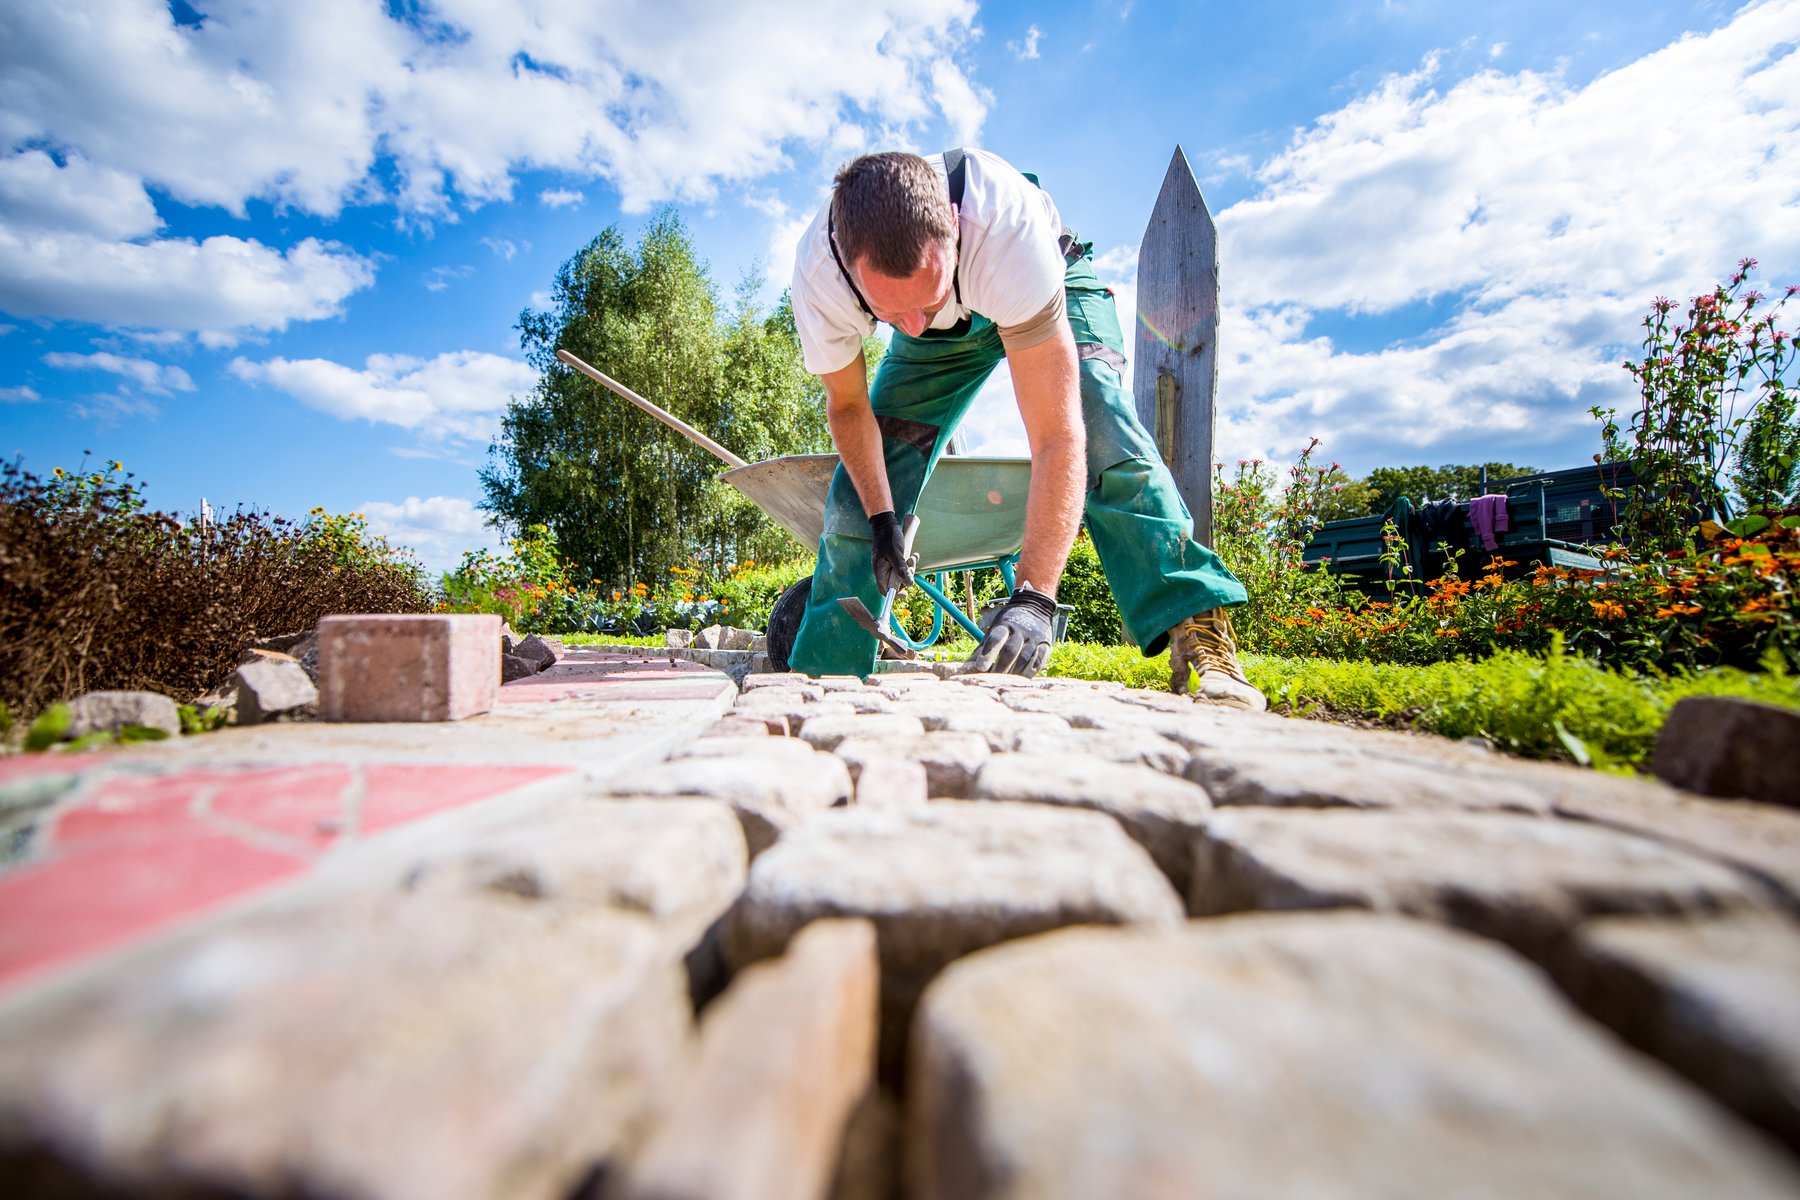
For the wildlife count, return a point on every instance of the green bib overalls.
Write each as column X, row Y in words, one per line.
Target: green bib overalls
column 1142, row 530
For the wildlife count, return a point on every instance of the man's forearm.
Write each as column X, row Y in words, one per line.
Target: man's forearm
column 1052, row 512
column 856, row 436
column 1047, row 384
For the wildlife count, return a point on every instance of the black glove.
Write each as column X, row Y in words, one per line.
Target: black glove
column 1018, row 642
column 893, row 569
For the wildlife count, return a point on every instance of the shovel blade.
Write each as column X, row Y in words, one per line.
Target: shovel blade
column 859, row 612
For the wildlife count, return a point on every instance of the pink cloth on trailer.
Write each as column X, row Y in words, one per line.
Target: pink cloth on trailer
column 1488, row 515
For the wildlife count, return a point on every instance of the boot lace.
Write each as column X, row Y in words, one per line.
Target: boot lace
column 1207, row 642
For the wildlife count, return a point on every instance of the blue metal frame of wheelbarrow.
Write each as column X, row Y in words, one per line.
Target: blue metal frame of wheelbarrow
column 971, row 518
column 971, row 513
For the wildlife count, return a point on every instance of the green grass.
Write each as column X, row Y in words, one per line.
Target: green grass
column 1536, row 706
column 608, row 639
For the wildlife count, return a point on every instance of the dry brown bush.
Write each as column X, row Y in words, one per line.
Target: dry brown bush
column 98, row 593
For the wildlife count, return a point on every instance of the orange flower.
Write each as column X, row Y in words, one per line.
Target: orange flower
column 1679, row 610
column 1607, row 610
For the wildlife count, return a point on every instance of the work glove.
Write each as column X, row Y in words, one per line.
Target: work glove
column 893, row 567
column 1018, row 642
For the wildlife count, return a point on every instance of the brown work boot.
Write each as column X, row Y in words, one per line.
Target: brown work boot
column 1205, row 644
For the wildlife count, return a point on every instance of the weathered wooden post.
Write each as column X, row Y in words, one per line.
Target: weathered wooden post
column 1177, row 337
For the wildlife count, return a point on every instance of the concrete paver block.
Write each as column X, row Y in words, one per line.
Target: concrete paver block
column 1328, row 1055
column 770, row 792
column 943, row 880
column 951, row 760
column 1725, row 746
column 826, row 732
column 1162, row 813
column 1526, row 881
column 408, row 667
column 784, row 1056
column 1717, row 1000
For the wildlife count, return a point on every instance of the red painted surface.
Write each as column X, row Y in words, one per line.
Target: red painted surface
column 140, row 852
column 67, row 909
column 307, row 804
column 398, row 794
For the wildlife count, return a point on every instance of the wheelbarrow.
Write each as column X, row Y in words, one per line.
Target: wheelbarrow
column 971, row 517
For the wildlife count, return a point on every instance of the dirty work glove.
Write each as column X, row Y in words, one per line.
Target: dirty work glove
column 893, row 569
column 1018, row 642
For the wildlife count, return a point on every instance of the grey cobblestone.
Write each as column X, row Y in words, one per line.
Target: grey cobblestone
column 1759, row 839
column 1717, row 1000
column 1526, row 881
column 1160, row 812
column 942, row 881
column 1264, row 775
column 1000, row 726
column 824, row 733
column 1144, row 748
column 950, row 760
column 770, row 793
column 1330, row 1055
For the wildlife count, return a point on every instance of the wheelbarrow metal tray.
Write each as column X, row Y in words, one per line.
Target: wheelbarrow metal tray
column 972, row 510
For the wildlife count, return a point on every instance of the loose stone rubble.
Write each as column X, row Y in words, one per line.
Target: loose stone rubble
column 635, row 931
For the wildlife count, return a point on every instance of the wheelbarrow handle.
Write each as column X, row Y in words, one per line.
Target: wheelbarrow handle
column 667, row 418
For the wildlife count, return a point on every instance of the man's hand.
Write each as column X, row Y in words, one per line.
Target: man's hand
column 893, row 566
column 1018, row 642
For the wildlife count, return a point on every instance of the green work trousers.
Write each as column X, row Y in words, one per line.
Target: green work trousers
column 1143, row 532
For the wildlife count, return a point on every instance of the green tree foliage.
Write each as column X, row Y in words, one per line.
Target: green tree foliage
column 1387, row 484
column 627, row 499
column 1767, row 469
column 1341, row 496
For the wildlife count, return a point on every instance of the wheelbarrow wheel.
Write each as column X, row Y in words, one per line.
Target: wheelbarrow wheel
column 784, row 623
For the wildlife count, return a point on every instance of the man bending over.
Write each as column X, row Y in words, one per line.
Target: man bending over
column 968, row 260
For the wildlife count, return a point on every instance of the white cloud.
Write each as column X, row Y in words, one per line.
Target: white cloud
column 561, row 198
column 108, row 409
column 1027, row 48
column 216, row 288
column 455, row 395
column 439, row 529
column 151, row 376
column 1539, row 218
column 297, row 103
column 79, row 197
column 505, row 247
column 438, row 279
column 964, row 104
column 22, row 394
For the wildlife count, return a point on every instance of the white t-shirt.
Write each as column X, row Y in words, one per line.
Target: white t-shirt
column 1009, row 266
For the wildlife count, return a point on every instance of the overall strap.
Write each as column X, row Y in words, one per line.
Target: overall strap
column 956, row 173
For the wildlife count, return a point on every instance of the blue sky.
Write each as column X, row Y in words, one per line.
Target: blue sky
column 273, row 254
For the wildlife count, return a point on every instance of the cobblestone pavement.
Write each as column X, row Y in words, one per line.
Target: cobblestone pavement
column 636, row 934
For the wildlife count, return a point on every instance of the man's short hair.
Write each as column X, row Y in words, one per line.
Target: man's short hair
column 887, row 208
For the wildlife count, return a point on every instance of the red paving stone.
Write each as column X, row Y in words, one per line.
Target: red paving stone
column 307, row 804
column 58, row 913
column 398, row 794
column 139, row 852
